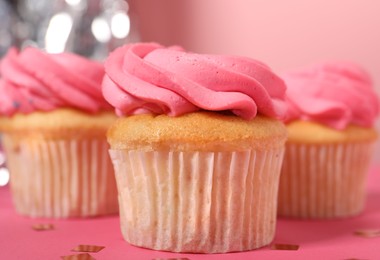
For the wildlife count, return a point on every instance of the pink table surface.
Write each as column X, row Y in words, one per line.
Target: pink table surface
column 331, row 239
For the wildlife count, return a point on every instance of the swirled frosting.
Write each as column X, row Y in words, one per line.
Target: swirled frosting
column 335, row 94
column 148, row 78
column 36, row 81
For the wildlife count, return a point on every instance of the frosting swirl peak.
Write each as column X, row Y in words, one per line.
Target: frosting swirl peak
column 148, row 78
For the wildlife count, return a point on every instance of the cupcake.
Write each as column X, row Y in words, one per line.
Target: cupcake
column 197, row 149
column 54, row 118
column 332, row 110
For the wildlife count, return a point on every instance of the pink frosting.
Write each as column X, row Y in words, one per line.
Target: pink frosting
column 36, row 81
column 148, row 78
column 333, row 93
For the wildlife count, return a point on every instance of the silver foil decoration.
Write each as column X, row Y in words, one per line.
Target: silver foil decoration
column 8, row 22
column 91, row 28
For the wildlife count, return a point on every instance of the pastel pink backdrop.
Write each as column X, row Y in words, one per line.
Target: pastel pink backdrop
column 284, row 34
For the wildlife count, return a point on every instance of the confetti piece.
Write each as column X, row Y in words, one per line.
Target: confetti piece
column 368, row 233
column 354, row 259
column 43, row 227
column 84, row 256
column 87, row 248
column 284, row 247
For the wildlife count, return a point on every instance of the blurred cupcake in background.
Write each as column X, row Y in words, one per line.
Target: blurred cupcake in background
column 330, row 120
column 197, row 151
column 54, row 119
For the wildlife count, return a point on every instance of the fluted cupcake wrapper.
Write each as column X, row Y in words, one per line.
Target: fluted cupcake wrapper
column 324, row 181
column 206, row 202
column 61, row 178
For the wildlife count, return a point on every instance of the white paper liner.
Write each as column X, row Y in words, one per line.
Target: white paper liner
column 324, row 181
column 204, row 202
column 61, row 179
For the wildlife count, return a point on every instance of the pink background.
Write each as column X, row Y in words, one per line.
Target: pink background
column 284, row 34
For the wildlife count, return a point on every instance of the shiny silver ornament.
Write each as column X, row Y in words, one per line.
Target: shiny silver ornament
column 91, row 28
column 8, row 23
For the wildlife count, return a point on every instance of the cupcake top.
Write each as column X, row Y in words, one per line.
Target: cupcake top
column 36, row 81
column 197, row 131
column 146, row 78
column 334, row 94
